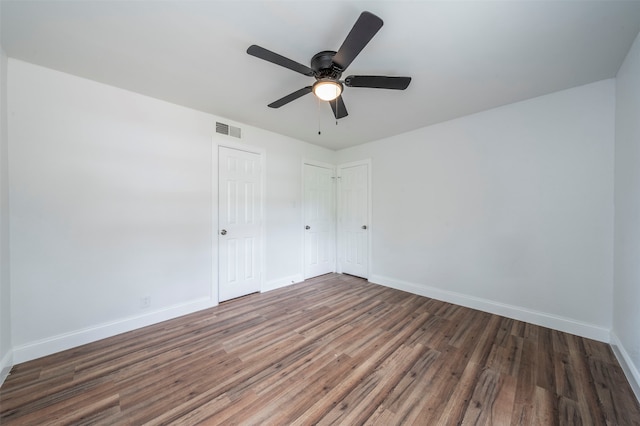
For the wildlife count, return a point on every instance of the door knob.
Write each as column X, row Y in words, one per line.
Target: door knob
column 307, row 227
column 223, row 232
column 364, row 226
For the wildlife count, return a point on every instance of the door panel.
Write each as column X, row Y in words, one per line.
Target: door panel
column 353, row 220
column 320, row 224
column 240, row 225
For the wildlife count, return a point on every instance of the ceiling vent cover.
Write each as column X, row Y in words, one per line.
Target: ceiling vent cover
column 225, row 129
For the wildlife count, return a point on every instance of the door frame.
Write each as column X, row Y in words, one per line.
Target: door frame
column 220, row 141
column 339, row 237
column 334, row 168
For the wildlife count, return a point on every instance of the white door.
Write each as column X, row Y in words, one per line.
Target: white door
column 240, row 223
column 353, row 219
column 319, row 219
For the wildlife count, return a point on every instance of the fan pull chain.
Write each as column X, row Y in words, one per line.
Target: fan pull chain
column 318, row 114
column 337, row 105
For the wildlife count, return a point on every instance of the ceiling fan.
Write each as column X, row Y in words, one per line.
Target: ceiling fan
column 327, row 68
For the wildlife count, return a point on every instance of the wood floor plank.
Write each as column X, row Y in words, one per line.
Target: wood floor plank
column 502, row 408
column 449, row 369
column 566, row 385
column 361, row 403
column 377, row 351
column 332, row 350
column 569, row 413
column 608, row 377
column 545, row 376
column 286, row 401
column 544, row 408
column 456, row 407
column 63, row 409
column 525, row 385
column 402, row 399
column 587, row 395
column 480, row 408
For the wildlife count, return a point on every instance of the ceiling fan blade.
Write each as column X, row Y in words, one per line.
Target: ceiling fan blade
column 377, row 82
column 339, row 110
column 290, row 97
column 362, row 32
column 267, row 55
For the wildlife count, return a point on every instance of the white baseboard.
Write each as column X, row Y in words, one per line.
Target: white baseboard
column 5, row 366
column 61, row 342
column 629, row 368
column 567, row 325
column 282, row 282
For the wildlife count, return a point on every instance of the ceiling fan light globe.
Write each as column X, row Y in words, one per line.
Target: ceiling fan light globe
column 327, row 90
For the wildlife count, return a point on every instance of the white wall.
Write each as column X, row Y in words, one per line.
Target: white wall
column 626, row 293
column 509, row 210
column 5, row 290
column 111, row 201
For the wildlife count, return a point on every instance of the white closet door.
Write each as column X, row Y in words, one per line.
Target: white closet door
column 240, row 223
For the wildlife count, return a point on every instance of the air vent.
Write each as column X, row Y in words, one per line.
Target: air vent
column 225, row 129
column 235, row 132
column 222, row 128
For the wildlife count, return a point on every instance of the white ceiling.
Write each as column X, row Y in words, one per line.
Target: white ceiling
column 464, row 57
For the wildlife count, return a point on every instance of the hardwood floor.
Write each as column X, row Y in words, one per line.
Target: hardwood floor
column 332, row 350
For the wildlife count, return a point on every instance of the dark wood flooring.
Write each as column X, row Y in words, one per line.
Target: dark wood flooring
column 332, row 350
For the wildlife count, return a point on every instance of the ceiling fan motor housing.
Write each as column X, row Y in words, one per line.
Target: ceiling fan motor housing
column 322, row 64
